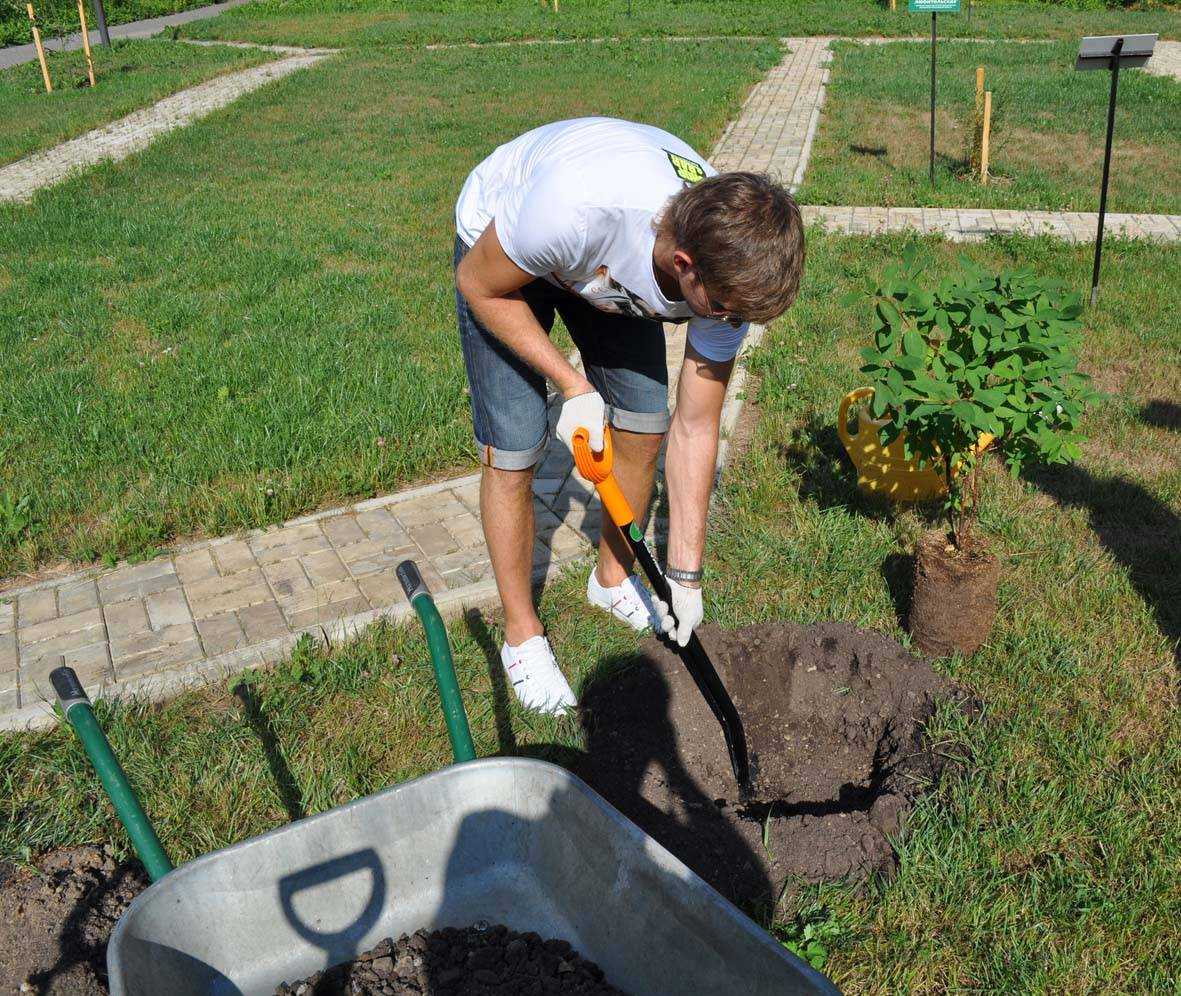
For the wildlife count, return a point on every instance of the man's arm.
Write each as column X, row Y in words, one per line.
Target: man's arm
column 692, row 455
column 491, row 283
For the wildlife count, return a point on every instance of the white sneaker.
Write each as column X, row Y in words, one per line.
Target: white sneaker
column 629, row 602
column 533, row 672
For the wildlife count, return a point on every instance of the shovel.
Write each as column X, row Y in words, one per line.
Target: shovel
column 596, row 468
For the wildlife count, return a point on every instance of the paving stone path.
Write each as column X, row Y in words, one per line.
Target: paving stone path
column 1166, row 60
column 20, row 180
column 210, row 609
column 975, row 225
column 14, row 55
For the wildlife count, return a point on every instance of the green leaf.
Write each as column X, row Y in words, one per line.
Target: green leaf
column 965, row 410
column 913, row 344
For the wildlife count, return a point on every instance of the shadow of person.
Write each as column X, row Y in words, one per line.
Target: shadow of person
column 631, row 757
column 1137, row 528
column 1162, row 414
column 554, row 864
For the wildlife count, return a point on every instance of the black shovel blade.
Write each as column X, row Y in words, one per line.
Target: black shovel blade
column 700, row 667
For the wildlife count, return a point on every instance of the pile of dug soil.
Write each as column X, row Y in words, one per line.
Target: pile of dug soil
column 55, row 919
column 834, row 718
column 474, row 961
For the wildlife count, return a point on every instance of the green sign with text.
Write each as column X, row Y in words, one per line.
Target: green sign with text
column 933, row 6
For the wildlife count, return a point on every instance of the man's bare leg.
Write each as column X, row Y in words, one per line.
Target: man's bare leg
column 635, row 470
column 506, row 508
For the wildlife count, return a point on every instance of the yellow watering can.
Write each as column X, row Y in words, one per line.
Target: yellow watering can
column 884, row 470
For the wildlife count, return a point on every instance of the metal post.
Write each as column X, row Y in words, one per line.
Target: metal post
column 1115, row 52
column 100, row 15
column 933, row 17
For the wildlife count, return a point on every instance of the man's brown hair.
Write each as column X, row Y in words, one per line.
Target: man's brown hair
column 745, row 234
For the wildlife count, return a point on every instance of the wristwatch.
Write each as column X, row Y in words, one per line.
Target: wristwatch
column 684, row 577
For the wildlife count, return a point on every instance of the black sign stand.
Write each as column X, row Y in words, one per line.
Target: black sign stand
column 933, row 17
column 1110, row 53
column 1115, row 51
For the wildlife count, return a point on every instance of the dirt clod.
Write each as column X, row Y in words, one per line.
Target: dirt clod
column 56, row 916
column 472, row 961
column 834, row 718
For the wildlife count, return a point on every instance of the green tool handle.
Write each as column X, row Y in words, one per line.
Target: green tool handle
column 462, row 748
column 76, row 705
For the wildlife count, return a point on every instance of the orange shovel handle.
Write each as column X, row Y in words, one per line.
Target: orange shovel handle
column 596, row 468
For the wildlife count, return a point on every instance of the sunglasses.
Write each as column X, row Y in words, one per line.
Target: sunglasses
column 716, row 308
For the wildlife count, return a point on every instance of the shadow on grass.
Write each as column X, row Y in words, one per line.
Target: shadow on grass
column 1162, row 414
column 1138, row 529
column 827, row 475
column 285, row 783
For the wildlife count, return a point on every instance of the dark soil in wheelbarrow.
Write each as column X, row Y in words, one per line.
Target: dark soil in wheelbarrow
column 56, row 916
column 835, row 719
column 473, row 961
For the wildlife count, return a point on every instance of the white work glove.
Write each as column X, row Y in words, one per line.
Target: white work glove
column 686, row 607
column 585, row 410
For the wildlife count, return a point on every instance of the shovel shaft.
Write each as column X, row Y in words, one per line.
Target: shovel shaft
column 596, row 468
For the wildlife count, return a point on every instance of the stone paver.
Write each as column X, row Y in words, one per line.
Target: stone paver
column 210, row 609
column 20, row 180
column 1166, row 59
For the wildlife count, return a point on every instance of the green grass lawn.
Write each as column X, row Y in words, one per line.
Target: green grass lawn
column 214, row 334
column 130, row 75
column 1048, row 866
column 1049, row 124
column 385, row 22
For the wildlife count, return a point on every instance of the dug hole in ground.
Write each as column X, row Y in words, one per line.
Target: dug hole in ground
column 835, row 719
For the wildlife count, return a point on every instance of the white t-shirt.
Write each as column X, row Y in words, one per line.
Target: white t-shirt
column 574, row 202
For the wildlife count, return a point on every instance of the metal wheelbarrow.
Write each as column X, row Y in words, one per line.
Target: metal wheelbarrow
column 505, row 840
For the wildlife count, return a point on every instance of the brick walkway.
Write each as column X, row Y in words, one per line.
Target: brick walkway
column 213, row 608
column 20, row 180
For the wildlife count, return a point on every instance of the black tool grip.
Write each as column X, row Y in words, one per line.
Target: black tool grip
column 67, row 687
column 411, row 580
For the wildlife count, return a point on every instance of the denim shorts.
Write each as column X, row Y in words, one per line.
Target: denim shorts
column 624, row 358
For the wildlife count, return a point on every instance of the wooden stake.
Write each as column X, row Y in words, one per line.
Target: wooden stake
column 40, row 49
column 86, row 40
column 984, row 136
column 893, row 4
column 979, row 89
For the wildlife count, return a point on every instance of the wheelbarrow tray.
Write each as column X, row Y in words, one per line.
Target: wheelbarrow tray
column 505, row 840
